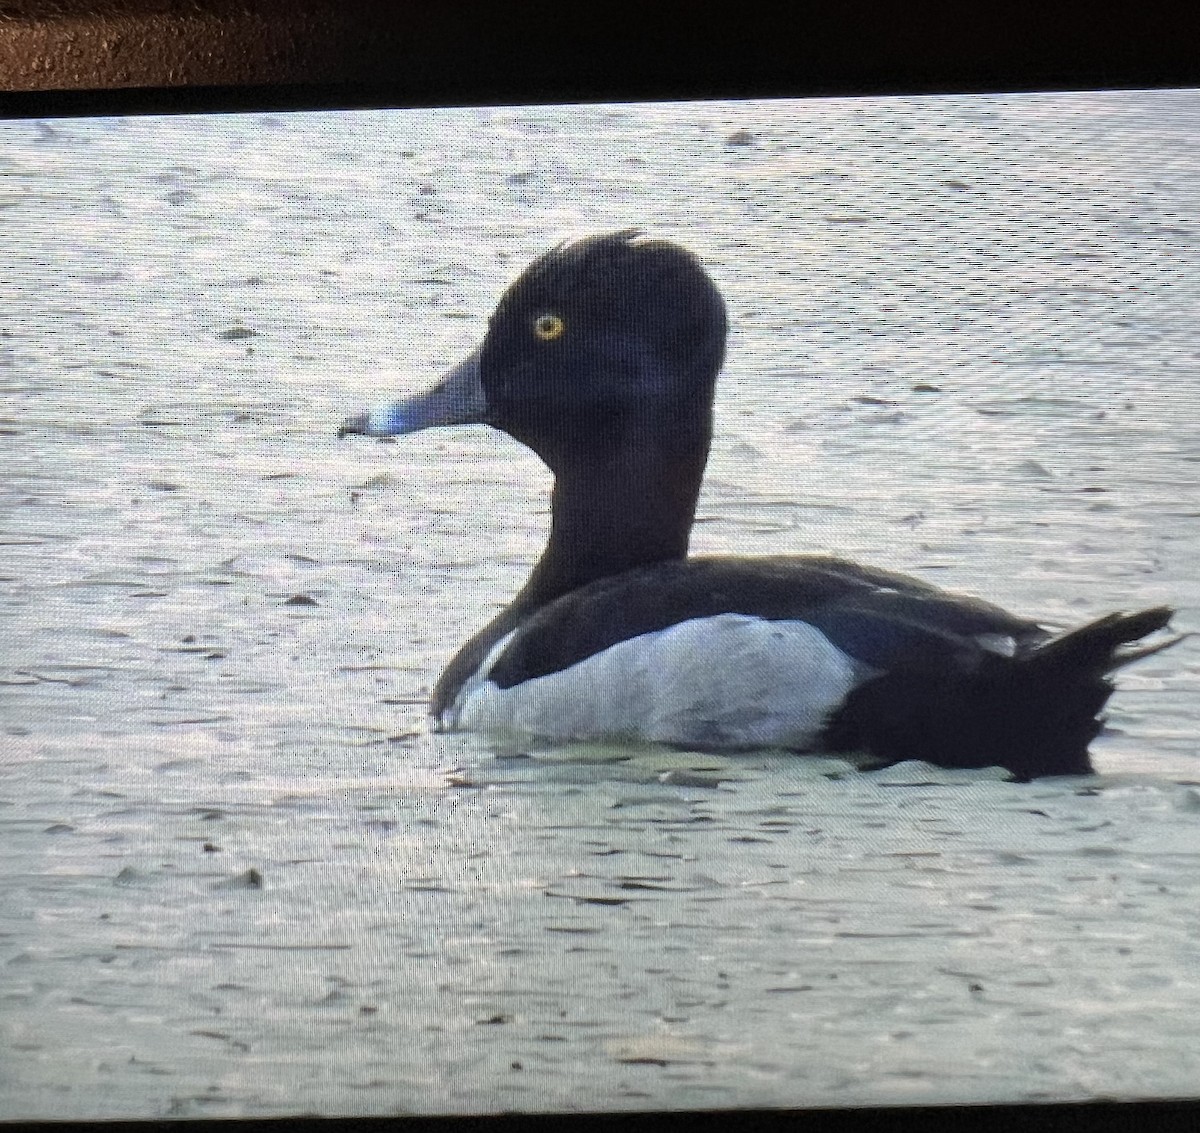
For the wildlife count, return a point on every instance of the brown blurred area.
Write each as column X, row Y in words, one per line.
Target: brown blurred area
column 421, row 52
column 166, row 43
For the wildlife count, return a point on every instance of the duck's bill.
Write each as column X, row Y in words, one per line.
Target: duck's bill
column 457, row 399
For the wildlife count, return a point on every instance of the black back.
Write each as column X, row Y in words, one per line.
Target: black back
column 876, row 616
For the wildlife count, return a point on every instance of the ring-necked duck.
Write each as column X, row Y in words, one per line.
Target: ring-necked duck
column 602, row 358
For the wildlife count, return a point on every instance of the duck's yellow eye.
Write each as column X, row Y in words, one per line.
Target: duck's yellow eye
column 548, row 327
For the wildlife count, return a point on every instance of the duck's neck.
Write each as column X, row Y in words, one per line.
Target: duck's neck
column 608, row 516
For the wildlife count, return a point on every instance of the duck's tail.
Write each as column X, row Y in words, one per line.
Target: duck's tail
column 1096, row 648
column 1034, row 714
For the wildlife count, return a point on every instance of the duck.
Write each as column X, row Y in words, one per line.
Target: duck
column 602, row 357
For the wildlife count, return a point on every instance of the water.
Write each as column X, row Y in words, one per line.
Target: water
column 241, row 877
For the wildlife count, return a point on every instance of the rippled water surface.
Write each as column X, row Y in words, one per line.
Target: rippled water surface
column 238, row 874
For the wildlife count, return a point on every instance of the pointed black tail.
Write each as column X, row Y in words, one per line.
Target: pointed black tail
column 1034, row 713
column 1096, row 647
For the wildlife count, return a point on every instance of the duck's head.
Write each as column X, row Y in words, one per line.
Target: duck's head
column 602, row 343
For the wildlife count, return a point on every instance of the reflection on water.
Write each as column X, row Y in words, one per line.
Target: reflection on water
column 241, row 877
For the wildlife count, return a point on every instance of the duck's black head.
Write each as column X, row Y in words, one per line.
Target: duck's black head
column 601, row 340
column 602, row 344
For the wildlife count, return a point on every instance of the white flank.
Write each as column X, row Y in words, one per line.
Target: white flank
column 998, row 643
column 728, row 682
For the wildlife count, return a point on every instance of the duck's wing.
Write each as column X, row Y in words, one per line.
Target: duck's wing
column 878, row 618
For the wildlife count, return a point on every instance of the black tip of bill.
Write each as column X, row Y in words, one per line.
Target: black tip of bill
column 358, row 424
column 457, row 399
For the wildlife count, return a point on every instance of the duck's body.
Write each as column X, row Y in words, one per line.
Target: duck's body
column 602, row 358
